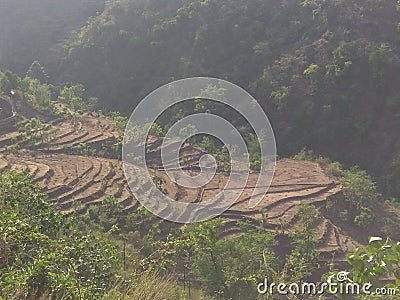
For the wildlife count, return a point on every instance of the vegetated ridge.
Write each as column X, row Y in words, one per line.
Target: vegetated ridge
column 74, row 157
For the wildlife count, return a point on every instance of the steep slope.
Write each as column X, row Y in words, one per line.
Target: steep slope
column 324, row 71
column 76, row 163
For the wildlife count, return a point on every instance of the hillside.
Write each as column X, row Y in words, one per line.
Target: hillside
column 33, row 29
column 76, row 163
column 315, row 213
column 325, row 72
column 72, row 220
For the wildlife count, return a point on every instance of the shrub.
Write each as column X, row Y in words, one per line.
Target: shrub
column 365, row 218
column 50, row 254
column 358, row 187
column 344, row 215
column 334, row 169
column 305, row 154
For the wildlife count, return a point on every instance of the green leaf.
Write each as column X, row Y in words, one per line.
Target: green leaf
column 374, row 239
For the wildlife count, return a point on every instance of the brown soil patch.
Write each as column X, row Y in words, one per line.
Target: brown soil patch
column 75, row 182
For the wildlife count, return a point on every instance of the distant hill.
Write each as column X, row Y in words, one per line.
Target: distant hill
column 30, row 28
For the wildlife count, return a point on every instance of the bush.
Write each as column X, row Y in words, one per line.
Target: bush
column 358, row 187
column 334, row 169
column 344, row 215
column 305, row 154
column 365, row 218
column 50, row 255
column 255, row 161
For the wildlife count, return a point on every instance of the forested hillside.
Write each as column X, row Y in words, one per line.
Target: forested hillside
column 30, row 29
column 70, row 228
column 326, row 72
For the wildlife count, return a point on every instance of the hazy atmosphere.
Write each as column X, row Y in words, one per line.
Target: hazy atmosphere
column 199, row 149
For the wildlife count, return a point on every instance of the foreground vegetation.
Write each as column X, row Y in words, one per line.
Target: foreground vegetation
column 326, row 73
column 45, row 254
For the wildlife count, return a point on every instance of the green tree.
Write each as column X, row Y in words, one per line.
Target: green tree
column 361, row 192
column 281, row 96
column 50, row 256
column 36, row 71
column 156, row 129
column 302, row 260
column 226, row 267
column 312, row 73
column 38, row 95
column 119, row 121
column 12, row 81
column 365, row 218
column 73, row 96
column 112, row 207
column 358, row 187
column 379, row 60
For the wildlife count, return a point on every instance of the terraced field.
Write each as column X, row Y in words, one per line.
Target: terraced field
column 67, row 135
column 75, row 182
column 295, row 182
column 83, row 180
